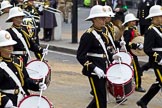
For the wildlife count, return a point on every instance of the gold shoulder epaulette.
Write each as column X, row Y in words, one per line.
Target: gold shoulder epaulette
column 151, row 26
column 1, row 59
column 90, row 30
column 111, row 24
column 126, row 28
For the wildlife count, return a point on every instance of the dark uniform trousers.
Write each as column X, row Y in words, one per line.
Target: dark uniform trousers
column 137, row 71
column 99, row 90
column 155, row 87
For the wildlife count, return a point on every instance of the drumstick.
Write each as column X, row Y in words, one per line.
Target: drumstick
column 119, row 58
column 41, row 91
column 44, row 54
column 122, row 38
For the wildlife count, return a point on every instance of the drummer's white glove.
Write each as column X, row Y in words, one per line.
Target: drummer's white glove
column 36, row 5
column 160, row 63
column 100, row 73
column 122, row 43
column 140, row 46
column 45, row 51
column 117, row 56
column 40, row 8
column 42, row 86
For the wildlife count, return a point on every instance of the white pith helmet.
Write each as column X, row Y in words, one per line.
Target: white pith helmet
column 15, row 12
column 97, row 11
column 155, row 10
column 109, row 11
column 25, row 0
column 129, row 17
column 6, row 39
column 5, row 4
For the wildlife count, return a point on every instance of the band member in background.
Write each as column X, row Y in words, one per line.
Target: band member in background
column 22, row 36
column 153, row 48
column 14, row 79
column 131, row 32
column 33, row 11
column 143, row 11
column 34, row 23
column 5, row 7
column 119, row 7
column 94, row 57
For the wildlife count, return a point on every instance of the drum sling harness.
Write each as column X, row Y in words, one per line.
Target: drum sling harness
column 98, row 37
column 22, row 40
column 4, row 66
column 160, row 34
column 111, row 39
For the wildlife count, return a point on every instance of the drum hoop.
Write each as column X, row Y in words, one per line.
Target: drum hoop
column 49, row 69
column 32, row 96
column 126, row 53
column 124, row 64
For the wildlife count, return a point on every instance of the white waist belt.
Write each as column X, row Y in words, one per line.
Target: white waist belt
column 19, row 52
column 12, row 91
column 157, row 49
column 96, row 55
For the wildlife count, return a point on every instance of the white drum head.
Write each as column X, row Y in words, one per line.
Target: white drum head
column 119, row 73
column 32, row 102
column 125, row 58
column 37, row 69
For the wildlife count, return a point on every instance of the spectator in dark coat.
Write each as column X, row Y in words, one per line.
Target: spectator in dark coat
column 47, row 21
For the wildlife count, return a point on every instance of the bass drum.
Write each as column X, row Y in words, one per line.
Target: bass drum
column 120, row 80
column 37, row 70
column 137, row 52
column 32, row 101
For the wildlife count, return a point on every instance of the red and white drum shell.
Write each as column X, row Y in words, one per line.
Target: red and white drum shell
column 38, row 69
column 120, row 80
column 33, row 101
column 125, row 57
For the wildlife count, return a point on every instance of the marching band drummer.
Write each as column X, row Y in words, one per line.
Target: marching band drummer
column 153, row 48
column 94, row 57
column 22, row 36
column 5, row 7
column 131, row 32
column 14, row 79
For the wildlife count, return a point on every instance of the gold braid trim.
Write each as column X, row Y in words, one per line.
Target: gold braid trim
column 26, row 35
column 87, row 63
column 155, row 55
column 20, row 71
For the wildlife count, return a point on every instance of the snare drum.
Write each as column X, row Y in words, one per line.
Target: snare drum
column 125, row 57
column 120, row 80
column 38, row 69
column 32, row 101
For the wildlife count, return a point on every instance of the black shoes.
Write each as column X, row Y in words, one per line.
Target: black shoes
column 141, row 104
column 140, row 89
column 45, row 39
column 120, row 101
